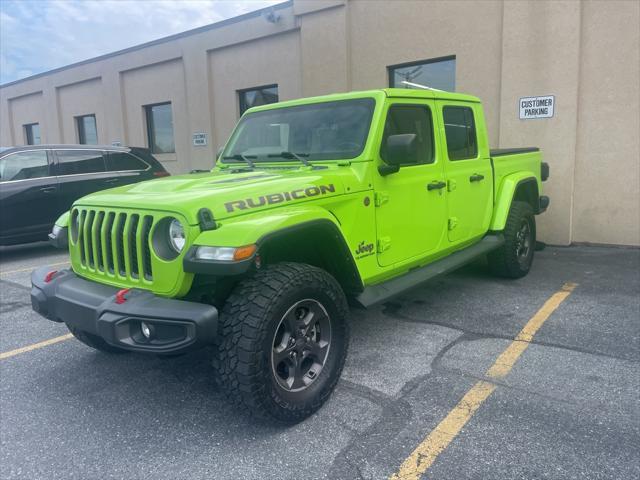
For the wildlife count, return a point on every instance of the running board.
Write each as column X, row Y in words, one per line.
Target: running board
column 382, row 292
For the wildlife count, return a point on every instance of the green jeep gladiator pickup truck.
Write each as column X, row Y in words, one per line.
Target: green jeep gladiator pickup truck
column 313, row 204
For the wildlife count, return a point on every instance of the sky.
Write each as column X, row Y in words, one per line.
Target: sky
column 39, row 35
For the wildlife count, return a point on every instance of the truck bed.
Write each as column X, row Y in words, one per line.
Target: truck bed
column 511, row 160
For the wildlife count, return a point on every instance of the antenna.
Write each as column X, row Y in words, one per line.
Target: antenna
column 423, row 87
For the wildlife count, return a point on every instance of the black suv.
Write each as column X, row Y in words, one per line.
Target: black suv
column 40, row 182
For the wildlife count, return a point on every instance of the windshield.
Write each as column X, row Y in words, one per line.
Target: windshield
column 320, row 131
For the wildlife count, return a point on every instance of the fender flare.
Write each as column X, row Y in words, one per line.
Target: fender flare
column 506, row 192
column 265, row 228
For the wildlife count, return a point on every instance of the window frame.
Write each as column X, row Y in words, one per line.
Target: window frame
column 28, row 133
column 56, row 155
column 242, row 106
column 415, row 63
column 82, row 134
column 433, row 133
column 476, row 155
column 109, row 153
column 48, row 156
column 372, row 105
column 148, row 115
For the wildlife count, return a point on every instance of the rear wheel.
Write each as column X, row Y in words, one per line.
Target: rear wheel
column 284, row 338
column 94, row 341
column 514, row 258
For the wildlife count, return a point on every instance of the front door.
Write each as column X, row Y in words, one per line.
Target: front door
column 468, row 172
column 411, row 203
column 28, row 196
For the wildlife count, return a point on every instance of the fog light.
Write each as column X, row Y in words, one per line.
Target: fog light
column 146, row 330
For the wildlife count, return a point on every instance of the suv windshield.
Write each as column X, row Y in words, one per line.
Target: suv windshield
column 320, row 131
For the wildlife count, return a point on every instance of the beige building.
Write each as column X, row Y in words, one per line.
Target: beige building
column 167, row 93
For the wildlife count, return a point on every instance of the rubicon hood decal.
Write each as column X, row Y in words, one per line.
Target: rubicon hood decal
column 282, row 197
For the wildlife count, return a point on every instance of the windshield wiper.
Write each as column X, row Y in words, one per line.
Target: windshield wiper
column 244, row 158
column 288, row 155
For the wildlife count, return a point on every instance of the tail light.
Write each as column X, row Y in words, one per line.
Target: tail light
column 161, row 174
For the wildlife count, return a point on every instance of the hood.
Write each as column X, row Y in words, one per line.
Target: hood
column 225, row 192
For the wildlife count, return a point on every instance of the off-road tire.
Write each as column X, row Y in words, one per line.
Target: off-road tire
column 94, row 341
column 248, row 324
column 506, row 261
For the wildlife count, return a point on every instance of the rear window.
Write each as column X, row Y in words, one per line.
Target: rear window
column 460, row 131
column 75, row 162
column 119, row 161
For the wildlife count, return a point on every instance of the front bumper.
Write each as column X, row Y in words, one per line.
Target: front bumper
column 177, row 326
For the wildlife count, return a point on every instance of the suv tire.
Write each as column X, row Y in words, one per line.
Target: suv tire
column 94, row 341
column 284, row 335
column 514, row 258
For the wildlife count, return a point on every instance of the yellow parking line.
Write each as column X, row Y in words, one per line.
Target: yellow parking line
column 35, row 346
column 426, row 453
column 26, row 269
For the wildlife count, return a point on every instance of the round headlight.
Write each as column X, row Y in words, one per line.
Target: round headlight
column 176, row 235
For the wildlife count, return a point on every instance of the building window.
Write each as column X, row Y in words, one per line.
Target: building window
column 160, row 128
column 32, row 134
column 460, row 131
column 437, row 73
column 87, row 130
column 253, row 97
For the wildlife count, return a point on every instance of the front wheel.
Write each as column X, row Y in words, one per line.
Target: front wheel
column 284, row 339
column 514, row 258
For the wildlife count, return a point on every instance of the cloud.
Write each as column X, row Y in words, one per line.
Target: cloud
column 38, row 35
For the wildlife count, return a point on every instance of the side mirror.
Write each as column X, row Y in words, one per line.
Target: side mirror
column 400, row 149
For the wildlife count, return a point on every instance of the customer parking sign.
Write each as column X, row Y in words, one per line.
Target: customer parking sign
column 537, row 107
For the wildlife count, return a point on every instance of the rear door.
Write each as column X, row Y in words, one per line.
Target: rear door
column 468, row 171
column 410, row 216
column 81, row 172
column 128, row 168
column 28, row 195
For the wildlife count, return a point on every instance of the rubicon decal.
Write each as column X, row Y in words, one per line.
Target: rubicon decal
column 275, row 198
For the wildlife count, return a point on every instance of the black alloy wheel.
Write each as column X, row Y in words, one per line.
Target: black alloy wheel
column 301, row 345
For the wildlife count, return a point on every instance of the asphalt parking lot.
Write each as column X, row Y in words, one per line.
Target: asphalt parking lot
column 567, row 407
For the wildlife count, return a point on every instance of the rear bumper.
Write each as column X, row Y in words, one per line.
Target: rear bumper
column 176, row 326
column 543, row 203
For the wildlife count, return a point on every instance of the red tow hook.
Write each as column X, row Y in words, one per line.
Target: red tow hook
column 49, row 276
column 120, row 296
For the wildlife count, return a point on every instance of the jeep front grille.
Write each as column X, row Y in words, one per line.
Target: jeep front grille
column 115, row 243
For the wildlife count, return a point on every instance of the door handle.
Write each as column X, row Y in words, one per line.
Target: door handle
column 112, row 180
column 435, row 185
column 476, row 177
column 48, row 189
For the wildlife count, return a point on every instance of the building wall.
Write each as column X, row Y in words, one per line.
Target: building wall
column 584, row 53
column 82, row 98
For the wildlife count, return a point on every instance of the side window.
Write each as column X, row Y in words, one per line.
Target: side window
column 24, row 165
column 120, row 161
column 410, row 119
column 460, row 130
column 74, row 162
